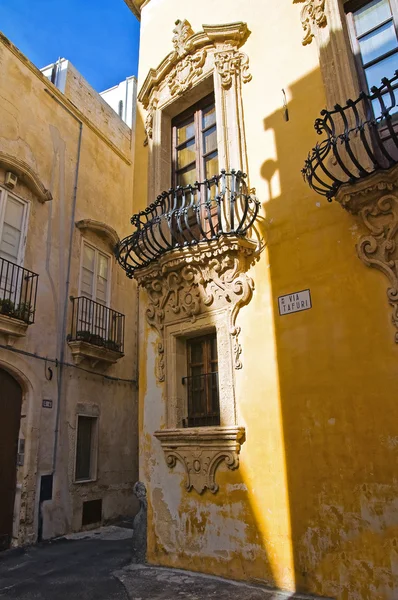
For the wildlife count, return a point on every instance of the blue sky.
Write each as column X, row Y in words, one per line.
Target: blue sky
column 100, row 37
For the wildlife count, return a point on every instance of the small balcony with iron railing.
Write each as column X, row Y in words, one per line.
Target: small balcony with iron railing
column 360, row 140
column 18, row 293
column 97, row 332
column 189, row 216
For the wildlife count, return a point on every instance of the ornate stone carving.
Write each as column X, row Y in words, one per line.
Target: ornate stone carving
column 201, row 451
column 182, row 32
column 312, row 14
column 229, row 63
column 185, row 72
column 179, row 68
column 187, row 282
column 379, row 249
column 149, row 120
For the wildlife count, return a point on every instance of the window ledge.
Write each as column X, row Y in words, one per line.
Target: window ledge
column 12, row 329
column 201, row 450
column 93, row 354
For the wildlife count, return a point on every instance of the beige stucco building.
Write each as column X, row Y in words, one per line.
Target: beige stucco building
column 67, row 314
column 268, row 355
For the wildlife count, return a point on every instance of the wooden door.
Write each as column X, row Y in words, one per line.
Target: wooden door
column 10, row 416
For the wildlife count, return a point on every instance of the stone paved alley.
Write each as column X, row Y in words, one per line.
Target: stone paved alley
column 97, row 566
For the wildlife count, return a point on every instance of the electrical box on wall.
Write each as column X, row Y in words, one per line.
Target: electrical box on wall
column 11, row 180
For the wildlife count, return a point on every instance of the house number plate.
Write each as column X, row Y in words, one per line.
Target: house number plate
column 295, row 302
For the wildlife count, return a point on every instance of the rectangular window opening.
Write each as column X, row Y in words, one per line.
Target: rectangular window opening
column 203, row 404
column 85, row 468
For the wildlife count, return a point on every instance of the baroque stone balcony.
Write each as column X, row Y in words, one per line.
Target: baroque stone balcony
column 361, row 139
column 185, row 217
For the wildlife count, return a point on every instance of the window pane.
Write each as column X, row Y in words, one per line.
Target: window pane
column 384, row 68
column 213, row 349
column 84, row 447
column 196, row 352
column 387, row 101
column 210, row 140
column 186, row 131
column 88, row 257
column 208, row 116
column 378, row 42
column 102, row 278
column 12, row 229
column 87, row 280
column 187, row 177
column 211, row 165
column 371, row 15
column 186, row 155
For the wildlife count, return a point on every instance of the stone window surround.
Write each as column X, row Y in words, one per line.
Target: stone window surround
column 325, row 22
column 203, row 62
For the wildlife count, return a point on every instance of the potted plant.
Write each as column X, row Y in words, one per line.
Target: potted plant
column 7, row 307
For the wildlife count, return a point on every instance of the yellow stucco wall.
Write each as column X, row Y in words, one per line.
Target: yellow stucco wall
column 313, row 505
column 40, row 126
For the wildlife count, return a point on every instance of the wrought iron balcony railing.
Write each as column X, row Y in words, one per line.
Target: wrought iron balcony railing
column 18, row 291
column 186, row 216
column 361, row 138
column 96, row 324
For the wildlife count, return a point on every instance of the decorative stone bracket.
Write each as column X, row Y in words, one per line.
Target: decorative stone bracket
column 376, row 201
column 201, row 451
column 312, row 15
column 189, row 281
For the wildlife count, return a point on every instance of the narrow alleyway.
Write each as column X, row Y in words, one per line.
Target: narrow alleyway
column 97, row 566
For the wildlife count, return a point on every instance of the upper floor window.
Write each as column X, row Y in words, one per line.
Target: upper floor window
column 373, row 32
column 13, row 221
column 95, row 274
column 202, row 382
column 120, row 109
column 195, row 154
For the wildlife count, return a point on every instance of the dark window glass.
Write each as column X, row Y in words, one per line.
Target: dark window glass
column 202, row 382
column 84, row 447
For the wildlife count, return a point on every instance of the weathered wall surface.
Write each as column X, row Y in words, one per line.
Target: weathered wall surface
column 41, row 127
column 313, row 504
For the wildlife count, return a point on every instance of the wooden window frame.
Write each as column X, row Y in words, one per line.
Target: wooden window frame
column 349, row 8
column 109, row 257
column 4, row 194
column 209, row 366
column 196, row 111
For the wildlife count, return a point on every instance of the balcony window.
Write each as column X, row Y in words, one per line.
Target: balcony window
column 202, row 382
column 195, row 154
column 95, row 274
column 373, row 31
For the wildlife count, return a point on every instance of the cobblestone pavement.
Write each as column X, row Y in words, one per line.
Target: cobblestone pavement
column 97, row 566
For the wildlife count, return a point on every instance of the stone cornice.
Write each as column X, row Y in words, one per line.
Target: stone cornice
column 135, row 6
column 219, row 37
column 26, row 175
column 101, row 228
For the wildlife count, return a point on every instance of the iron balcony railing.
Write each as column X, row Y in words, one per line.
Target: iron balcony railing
column 186, row 216
column 361, row 138
column 96, row 324
column 18, row 291
column 203, row 400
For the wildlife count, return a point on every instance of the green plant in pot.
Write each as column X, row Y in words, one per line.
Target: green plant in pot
column 7, row 307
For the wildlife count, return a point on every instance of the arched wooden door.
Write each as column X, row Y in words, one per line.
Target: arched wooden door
column 10, row 416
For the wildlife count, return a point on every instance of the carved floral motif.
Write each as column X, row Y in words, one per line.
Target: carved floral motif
column 189, row 283
column 312, row 14
column 185, row 72
column 201, row 452
column 149, row 120
column 182, row 32
column 379, row 249
column 229, row 63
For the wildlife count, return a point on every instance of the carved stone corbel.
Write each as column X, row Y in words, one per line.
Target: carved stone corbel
column 229, row 63
column 190, row 281
column 375, row 200
column 201, row 451
column 312, row 15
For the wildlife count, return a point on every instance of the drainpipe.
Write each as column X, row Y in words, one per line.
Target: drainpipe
column 67, row 284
